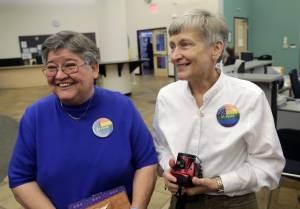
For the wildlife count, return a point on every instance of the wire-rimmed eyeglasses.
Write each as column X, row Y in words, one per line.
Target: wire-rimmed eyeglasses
column 68, row 68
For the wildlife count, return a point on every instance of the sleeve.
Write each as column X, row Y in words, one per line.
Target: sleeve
column 265, row 160
column 161, row 144
column 142, row 145
column 22, row 167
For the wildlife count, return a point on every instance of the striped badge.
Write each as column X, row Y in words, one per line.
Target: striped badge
column 228, row 115
column 103, row 127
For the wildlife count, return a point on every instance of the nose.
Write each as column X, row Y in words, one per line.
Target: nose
column 60, row 74
column 175, row 55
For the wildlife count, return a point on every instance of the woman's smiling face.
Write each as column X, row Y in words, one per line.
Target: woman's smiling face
column 75, row 88
column 190, row 55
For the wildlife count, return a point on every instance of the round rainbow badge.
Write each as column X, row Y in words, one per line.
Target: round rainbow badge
column 228, row 115
column 102, row 127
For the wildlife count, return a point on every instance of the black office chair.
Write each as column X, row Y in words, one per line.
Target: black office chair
column 290, row 143
column 295, row 84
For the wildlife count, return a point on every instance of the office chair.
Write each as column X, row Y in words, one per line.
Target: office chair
column 290, row 143
column 295, row 84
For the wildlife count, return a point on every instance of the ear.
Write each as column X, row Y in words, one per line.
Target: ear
column 217, row 50
column 95, row 69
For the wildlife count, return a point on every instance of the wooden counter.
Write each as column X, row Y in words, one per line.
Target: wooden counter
column 116, row 75
column 22, row 76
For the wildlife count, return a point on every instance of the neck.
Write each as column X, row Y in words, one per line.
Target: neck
column 201, row 85
column 78, row 101
column 74, row 116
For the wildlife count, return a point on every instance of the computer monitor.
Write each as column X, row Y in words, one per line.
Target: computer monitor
column 246, row 56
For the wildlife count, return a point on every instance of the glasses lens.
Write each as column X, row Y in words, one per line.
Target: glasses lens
column 70, row 68
column 50, row 70
column 67, row 68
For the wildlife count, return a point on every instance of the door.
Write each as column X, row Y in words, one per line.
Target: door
column 160, row 52
column 240, row 35
column 145, row 45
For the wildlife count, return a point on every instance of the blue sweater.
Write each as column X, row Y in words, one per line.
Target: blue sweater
column 67, row 160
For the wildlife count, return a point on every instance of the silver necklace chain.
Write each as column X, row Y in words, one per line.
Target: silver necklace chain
column 80, row 116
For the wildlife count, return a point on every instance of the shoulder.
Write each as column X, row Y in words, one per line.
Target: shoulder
column 42, row 108
column 173, row 89
column 43, row 103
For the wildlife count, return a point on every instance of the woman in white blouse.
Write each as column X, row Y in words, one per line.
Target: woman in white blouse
column 226, row 122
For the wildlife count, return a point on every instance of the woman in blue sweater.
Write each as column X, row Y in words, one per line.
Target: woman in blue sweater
column 81, row 139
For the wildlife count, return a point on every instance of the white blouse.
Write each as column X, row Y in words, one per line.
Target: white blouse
column 233, row 133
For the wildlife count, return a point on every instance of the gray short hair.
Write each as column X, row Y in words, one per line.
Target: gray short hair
column 75, row 42
column 211, row 28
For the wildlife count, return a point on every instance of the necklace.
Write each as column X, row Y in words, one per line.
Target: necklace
column 80, row 116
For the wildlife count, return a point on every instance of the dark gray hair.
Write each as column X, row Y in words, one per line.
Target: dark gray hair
column 75, row 42
column 211, row 28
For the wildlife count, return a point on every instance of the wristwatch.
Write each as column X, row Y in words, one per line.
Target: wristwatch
column 219, row 182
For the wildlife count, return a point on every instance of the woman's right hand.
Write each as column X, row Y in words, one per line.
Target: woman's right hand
column 170, row 180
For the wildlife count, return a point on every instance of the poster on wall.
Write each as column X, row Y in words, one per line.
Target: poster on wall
column 31, row 46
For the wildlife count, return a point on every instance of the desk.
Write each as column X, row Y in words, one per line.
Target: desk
column 22, row 76
column 116, row 75
column 289, row 115
column 249, row 66
column 267, row 82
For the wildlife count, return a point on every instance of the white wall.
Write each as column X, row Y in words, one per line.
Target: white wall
column 36, row 19
column 81, row 16
column 139, row 16
column 112, row 28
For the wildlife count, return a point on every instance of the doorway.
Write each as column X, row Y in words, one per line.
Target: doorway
column 144, row 37
column 152, row 45
column 240, row 35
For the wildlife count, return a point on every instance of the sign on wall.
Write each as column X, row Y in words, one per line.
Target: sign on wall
column 31, row 46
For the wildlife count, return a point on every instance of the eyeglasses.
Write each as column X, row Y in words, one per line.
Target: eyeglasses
column 68, row 68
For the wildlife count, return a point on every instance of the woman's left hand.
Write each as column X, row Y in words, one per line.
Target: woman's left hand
column 202, row 185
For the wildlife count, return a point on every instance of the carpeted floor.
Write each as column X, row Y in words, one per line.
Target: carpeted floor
column 8, row 132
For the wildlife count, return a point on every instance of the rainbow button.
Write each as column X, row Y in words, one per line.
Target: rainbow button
column 228, row 115
column 102, row 127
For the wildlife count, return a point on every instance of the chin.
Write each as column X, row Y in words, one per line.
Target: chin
column 181, row 76
column 65, row 98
